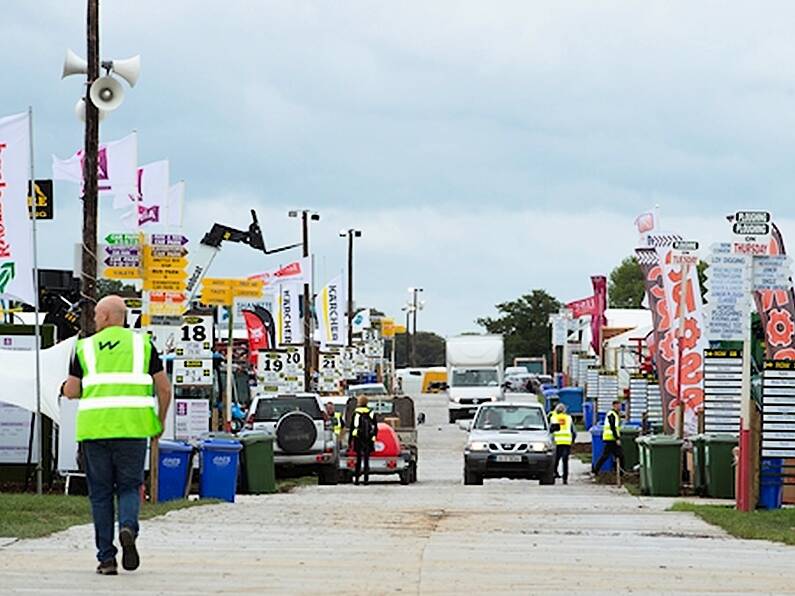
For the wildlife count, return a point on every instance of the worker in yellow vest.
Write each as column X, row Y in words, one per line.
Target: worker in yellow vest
column 364, row 429
column 564, row 435
column 336, row 419
column 611, row 439
column 114, row 374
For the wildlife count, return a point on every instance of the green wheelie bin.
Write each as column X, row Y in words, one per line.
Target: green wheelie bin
column 699, row 460
column 665, row 465
column 719, row 469
column 260, row 473
column 629, row 435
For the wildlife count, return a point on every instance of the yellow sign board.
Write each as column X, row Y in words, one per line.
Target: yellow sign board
column 399, row 329
column 151, row 262
column 248, row 288
column 164, row 284
column 166, row 274
column 122, row 273
column 166, row 309
column 216, row 295
column 387, row 328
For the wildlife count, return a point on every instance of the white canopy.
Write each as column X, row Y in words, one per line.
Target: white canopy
column 18, row 377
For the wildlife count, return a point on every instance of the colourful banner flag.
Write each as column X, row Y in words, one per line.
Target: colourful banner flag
column 598, row 319
column 289, row 319
column 776, row 309
column 582, row 307
column 330, row 309
column 16, row 232
column 148, row 204
column 299, row 271
column 117, row 165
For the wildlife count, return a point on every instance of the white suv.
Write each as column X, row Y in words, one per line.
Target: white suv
column 302, row 432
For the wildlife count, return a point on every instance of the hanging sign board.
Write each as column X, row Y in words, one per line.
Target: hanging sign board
column 193, row 372
column 752, row 232
column 723, row 373
column 281, row 371
column 191, row 418
column 196, row 337
column 330, row 373
column 778, row 409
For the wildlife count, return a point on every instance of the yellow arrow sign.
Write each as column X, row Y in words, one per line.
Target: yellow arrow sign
column 250, row 288
column 151, row 262
column 164, row 284
column 166, row 309
column 216, row 295
column 122, row 273
column 166, row 274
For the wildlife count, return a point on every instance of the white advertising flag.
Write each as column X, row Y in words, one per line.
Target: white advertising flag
column 148, row 203
column 16, row 232
column 329, row 306
column 174, row 205
column 299, row 271
column 361, row 321
column 289, row 323
column 117, row 165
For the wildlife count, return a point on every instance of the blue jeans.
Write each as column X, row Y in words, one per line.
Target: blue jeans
column 114, row 467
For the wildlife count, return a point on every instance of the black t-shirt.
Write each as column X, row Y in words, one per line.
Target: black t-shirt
column 155, row 364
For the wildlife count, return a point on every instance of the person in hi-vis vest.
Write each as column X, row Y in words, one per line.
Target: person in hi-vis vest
column 611, row 439
column 564, row 436
column 114, row 373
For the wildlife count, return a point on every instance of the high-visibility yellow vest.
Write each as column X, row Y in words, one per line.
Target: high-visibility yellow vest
column 607, row 432
column 356, row 414
column 337, row 423
column 117, row 398
column 563, row 436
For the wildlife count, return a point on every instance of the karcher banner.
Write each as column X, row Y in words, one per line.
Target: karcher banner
column 289, row 320
column 330, row 306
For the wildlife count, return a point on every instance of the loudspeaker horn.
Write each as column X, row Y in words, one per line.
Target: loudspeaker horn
column 128, row 69
column 80, row 110
column 106, row 93
column 73, row 64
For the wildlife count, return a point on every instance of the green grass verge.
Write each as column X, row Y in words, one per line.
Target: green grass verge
column 777, row 525
column 285, row 485
column 33, row 516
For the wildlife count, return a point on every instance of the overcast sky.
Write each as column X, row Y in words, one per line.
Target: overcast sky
column 484, row 148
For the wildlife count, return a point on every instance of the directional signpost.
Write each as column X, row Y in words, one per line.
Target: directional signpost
column 120, row 256
column 728, row 308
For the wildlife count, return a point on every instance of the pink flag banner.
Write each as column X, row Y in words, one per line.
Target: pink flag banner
column 776, row 309
column 117, row 164
column 582, row 307
column 598, row 319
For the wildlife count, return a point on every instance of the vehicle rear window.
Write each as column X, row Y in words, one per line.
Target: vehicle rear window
column 275, row 408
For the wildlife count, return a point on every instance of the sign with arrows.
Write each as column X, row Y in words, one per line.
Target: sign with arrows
column 124, row 239
column 168, row 240
column 772, row 272
column 222, row 291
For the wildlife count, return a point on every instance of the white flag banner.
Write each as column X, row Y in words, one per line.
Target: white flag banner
column 299, row 271
column 117, row 167
column 148, row 204
column 175, row 205
column 330, row 308
column 361, row 321
column 16, row 231
column 289, row 323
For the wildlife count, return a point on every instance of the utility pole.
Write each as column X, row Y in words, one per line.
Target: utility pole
column 407, row 308
column 306, row 217
column 351, row 234
column 88, row 276
column 414, row 307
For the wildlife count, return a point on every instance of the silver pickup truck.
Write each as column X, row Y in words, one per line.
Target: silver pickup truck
column 509, row 440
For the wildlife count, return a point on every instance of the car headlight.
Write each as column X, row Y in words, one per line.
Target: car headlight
column 478, row 446
column 540, row 446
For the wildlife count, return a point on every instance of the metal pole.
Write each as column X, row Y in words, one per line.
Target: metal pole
column 743, row 500
column 350, row 288
column 307, row 306
column 229, row 371
column 414, row 330
column 88, row 276
column 37, row 323
column 408, row 336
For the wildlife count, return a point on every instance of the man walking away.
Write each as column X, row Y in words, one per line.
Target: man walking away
column 336, row 420
column 364, row 429
column 564, row 437
column 611, row 438
column 114, row 373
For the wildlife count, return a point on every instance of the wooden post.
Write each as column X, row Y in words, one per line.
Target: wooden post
column 88, row 276
column 154, row 468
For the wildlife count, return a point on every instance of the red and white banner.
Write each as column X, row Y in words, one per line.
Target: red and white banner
column 583, row 307
column 683, row 296
column 16, row 231
column 776, row 308
column 258, row 338
column 117, row 166
column 299, row 272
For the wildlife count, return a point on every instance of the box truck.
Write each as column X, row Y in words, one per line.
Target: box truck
column 475, row 366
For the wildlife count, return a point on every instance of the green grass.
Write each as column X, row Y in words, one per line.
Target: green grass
column 285, row 485
column 32, row 516
column 777, row 525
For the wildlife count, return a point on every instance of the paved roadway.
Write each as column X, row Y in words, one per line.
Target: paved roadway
column 434, row 537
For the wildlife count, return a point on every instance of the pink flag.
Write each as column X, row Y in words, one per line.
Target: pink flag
column 598, row 319
column 645, row 222
column 580, row 308
column 149, row 200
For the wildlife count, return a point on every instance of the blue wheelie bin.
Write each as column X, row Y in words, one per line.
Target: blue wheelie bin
column 219, row 464
column 172, row 475
column 571, row 397
column 588, row 414
column 771, row 483
column 597, row 446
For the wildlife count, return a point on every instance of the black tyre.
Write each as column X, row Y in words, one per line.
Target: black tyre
column 472, row 478
column 453, row 416
column 413, row 472
column 548, row 478
column 405, row 476
column 327, row 475
column 296, row 433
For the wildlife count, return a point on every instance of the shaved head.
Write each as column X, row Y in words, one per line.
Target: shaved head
column 110, row 312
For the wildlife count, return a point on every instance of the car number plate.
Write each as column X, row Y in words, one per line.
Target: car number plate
column 509, row 458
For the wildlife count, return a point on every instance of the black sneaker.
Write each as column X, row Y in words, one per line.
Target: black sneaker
column 129, row 554
column 108, row 567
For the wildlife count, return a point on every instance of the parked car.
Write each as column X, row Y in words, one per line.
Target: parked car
column 303, row 435
column 368, row 389
column 509, row 440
